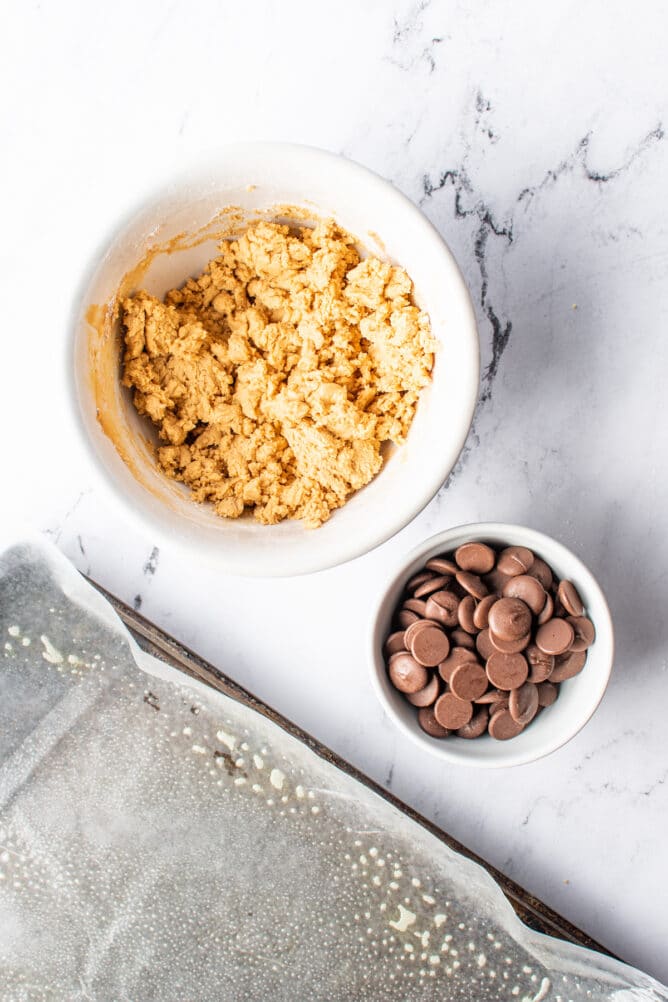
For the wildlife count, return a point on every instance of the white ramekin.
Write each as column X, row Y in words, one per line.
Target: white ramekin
column 578, row 697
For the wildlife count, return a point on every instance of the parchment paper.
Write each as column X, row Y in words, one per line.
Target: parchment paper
column 160, row 841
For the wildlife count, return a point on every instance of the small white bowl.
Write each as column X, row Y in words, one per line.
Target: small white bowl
column 257, row 177
column 578, row 697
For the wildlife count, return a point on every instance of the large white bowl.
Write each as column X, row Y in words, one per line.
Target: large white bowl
column 578, row 697
column 258, row 177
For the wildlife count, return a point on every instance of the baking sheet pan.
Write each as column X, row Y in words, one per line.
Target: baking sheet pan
column 165, row 835
column 535, row 913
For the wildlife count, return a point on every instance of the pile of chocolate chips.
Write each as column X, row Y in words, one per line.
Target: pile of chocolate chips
column 481, row 641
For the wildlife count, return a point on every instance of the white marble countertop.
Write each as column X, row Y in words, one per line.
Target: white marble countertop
column 532, row 136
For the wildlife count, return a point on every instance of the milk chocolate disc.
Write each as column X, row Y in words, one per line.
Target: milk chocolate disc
column 584, row 633
column 475, row 557
column 430, row 724
column 415, row 605
column 465, row 611
column 481, row 613
column 547, row 611
column 523, row 703
column 468, row 681
column 457, row 656
column 471, row 583
column 509, row 619
column 419, row 579
column 442, row 608
column 507, row 671
column 394, row 643
column 547, row 693
column 570, row 599
column 476, row 726
column 432, row 585
column 555, row 636
column 426, row 696
column 542, row 572
column 515, row 560
column 509, row 646
column 452, row 712
column 502, row 727
column 429, row 647
column 541, row 665
column 414, row 629
column 529, row 589
column 441, row 565
column 568, row 666
column 492, row 696
column 406, row 674
column 484, row 645
column 460, row 638
column 406, row 617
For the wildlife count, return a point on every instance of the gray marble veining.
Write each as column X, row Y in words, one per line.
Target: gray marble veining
column 533, row 137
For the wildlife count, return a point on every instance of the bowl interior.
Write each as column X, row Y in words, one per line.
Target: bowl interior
column 258, row 179
column 578, row 697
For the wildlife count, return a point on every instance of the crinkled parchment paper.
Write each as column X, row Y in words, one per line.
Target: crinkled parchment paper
column 160, row 841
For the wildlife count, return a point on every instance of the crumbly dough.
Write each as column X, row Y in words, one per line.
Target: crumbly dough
column 276, row 376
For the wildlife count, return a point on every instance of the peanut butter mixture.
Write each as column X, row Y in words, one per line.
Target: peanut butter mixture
column 276, row 376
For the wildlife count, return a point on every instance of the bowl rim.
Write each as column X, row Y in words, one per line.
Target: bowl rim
column 308, row 561
column 524, row 535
